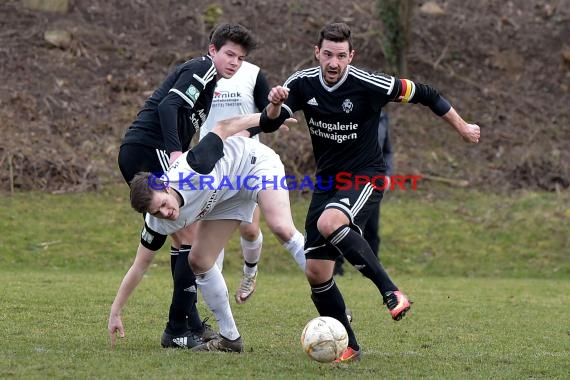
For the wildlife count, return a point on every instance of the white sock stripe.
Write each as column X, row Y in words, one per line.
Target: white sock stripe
column 323, row 288
column 341, row 235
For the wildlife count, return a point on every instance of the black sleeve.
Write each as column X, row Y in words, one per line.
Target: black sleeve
column 423, row 94
column 388, row 152
column 168, row 114
column 260, row 91
column 268, row 125
column 204, row 156
column 151, row 239
column 253, row 131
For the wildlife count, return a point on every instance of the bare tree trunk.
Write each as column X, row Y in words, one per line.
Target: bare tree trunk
column 404, row 14
column 395, row 16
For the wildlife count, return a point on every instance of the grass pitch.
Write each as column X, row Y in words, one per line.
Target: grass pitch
column 488, row 274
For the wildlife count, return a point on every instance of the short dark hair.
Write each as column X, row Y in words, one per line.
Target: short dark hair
column 141, row 191
column 235, row 33
column 335, row 32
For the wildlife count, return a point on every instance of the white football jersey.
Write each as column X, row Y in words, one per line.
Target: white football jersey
column 232, row 97
column 235, row 180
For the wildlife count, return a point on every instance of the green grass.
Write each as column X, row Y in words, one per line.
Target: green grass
column 478, row 234
column 53, row 325
column 489, row 275
column 447, row 232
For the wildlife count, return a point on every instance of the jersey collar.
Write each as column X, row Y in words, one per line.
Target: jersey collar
column 338, row 84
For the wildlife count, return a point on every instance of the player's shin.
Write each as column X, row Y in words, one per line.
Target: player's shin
column 296, row 247
column 329, row 302
column 215, row 293
column 187, row 296
column 358, row 253
column 251, row 252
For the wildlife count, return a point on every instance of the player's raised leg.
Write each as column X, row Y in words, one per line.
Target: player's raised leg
column 276, row 209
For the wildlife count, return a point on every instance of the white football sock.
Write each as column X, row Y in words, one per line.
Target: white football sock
column 296, row 247
column 251, row 253
column 215, row 294
column 220, row 259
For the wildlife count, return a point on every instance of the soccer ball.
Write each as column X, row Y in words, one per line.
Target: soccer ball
column 324, row 339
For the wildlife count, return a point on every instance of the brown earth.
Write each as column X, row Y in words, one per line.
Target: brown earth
column 65, row 104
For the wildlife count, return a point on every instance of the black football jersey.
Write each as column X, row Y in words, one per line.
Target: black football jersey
column 177, row 109
column 342, row 119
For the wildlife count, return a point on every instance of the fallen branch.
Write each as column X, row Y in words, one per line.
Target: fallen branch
column 449, row 181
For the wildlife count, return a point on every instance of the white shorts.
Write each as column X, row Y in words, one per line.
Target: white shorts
column 261, row 170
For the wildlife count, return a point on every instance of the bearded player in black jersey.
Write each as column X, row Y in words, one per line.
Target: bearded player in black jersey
column 342, row 105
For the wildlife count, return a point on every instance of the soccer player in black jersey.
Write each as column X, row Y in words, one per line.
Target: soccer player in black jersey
column 370, row 230
column 162, row 130
column 342, row 106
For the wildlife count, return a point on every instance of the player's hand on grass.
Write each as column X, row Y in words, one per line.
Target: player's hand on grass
column 115, row 327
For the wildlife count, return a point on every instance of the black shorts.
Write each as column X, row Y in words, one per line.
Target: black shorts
column 140, row 158
column 357, row 200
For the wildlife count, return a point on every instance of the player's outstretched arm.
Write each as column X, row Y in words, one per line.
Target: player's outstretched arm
column 413, row 92
column 470, row 132
column 132, row 278
column 228, row 127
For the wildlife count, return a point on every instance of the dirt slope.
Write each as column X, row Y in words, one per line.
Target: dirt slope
column 64, row 109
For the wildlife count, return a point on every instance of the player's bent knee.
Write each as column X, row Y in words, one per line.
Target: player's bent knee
column 249, row 232
column 326, row 226
column 331, row 220
column 316, row 273
column 200, row 263
column 283, row 232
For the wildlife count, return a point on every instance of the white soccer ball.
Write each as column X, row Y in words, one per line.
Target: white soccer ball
column 324, row 339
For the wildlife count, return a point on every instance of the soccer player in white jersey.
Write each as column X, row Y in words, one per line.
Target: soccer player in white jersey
column 162, row 130
column 245, row 93
column 342, row 106
column 218, row 185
